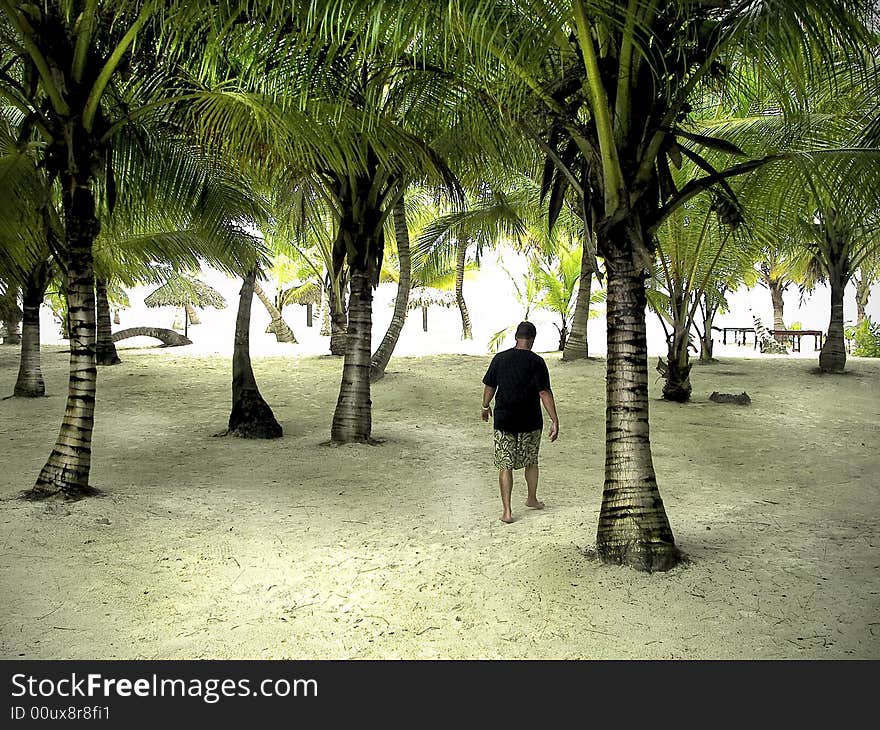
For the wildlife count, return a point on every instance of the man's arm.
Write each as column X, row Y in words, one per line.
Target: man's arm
column 488, row 395
column 550, row 407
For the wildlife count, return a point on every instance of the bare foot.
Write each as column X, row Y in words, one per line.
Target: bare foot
column 535, row 504
column 507, row 518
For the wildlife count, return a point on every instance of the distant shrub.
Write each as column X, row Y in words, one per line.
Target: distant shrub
column 865, row 338
column 796, row 326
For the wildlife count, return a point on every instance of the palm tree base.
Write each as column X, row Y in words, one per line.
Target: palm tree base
column 252, row 418
column 282, row 332
column 69, row 493
column 677, row 392
column 570, row 355
column 366, row 440
column 832, row 361
column 30, row 391
column 30, row 384
column 650, row 557
column 107, row 358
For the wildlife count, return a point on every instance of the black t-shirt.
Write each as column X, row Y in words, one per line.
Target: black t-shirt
column 519, row 375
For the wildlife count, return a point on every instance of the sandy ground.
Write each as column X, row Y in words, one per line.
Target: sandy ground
column 208, row 547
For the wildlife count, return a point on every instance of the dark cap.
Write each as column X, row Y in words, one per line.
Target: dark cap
column 526, row 331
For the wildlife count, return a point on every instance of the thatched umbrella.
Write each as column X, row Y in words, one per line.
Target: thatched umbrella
column 308, row 294
column 180, row 291
column 428, row 296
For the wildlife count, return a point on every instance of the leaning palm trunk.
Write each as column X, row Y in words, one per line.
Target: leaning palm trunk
column 576, row 346
column 863, row 292
column 277, row 326
column 460, row 261
column 380, row 359
column 832, row 358
column 105, row 351
column 338, row 319
column 251, row 416
column 66, row 473
column 192, row 313
column 633, row 527
column 30, row 374
column 13, row 318
column 352, row 420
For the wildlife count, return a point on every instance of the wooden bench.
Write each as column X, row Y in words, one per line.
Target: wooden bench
column 794, row 336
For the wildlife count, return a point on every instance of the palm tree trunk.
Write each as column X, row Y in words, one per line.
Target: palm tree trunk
column 678, row 370
column 776, row 291
column 460, row 261
column 382, row 356
column 563, row 335
column 13, row 317
column 338, row 318
column 576, row 346
column 324, row 314
column 30, row 382
column 192, row 313
column 832, row 358
column 352, row 420
column 863, row 292
column 66, row 473
column 277, row 326
column 633, row 527
column 105, row 351
column 706, row 341
column 251, row 416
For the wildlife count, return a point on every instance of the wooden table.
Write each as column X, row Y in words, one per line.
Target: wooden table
column 794, row 336
column 739, row 333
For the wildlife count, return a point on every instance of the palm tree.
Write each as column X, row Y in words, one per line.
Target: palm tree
column 29, row 383
column 839, row 246
column 80, row 79
column 702, row 250
column 780, row 267
column 605, row 89
column 251, row 416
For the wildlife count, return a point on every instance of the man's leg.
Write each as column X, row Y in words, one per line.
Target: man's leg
column 532, row 482
column 505, row 481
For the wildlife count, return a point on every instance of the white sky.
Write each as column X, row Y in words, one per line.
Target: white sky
column 491, row 301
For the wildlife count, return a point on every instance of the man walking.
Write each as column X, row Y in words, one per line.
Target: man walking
column 519, row 381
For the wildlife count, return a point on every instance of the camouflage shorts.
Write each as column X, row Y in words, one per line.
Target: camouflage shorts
column 517, row 450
